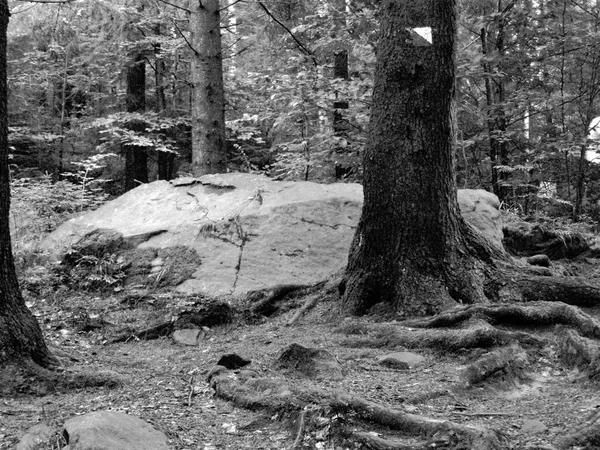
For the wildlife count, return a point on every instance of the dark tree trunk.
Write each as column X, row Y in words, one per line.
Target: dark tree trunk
column 165, row 160
column 136, row 157
column 166, row 165
column 495, row 97
column 208, row 103
column 340, row 70
column 412, row 252
column 580, row 184
column 20, row 334
column 340, row 66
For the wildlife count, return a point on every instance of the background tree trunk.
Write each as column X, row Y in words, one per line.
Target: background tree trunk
column 136, row 157
column 20, row 334
column 165, row 160
column 208, row 102
column 410, row 252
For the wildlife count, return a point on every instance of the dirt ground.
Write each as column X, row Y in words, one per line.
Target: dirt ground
column 164, row 382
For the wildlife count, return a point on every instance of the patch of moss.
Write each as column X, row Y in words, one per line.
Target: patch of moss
column 159, row 267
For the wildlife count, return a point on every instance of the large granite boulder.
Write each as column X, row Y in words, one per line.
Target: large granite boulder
column 249, row 232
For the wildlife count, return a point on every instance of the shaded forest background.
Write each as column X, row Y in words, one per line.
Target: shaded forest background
column 298, row 78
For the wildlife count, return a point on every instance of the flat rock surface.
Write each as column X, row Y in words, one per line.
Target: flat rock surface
column 250, row 232
column 109, row 430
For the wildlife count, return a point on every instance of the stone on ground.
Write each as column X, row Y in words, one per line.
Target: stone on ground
column 402, row 360
column 249, row 232
column 533, row 426
column 311, row 362
column 189, row 337
column 110, row 430
column 233, row 361
column 37, row 437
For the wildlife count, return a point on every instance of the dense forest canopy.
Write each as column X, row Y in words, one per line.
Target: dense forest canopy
column 298, row 77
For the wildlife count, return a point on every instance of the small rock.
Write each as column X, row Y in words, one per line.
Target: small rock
column 402, row 360
column 36, row 437
column 233, row 361
column 311, row 362
column 189, row 337
column 533, row 426
column 110, row 430
column 393, row 363
column 539, row 260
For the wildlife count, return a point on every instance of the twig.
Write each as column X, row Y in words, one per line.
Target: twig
column 301, row 427
column 300, row 45
column 310, row 303
column 191, row 394
column 16, row 412
column 479, row 414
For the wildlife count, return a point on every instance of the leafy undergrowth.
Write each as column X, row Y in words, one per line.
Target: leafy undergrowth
column 165, row 383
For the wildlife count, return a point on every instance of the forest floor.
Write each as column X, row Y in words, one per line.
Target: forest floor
column 164, row 382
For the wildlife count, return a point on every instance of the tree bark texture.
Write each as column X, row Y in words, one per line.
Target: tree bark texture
column 412, row 250
column 208, row 99
column 493, row 49
column 165, row 160
column 20, row 334
column 136, row 157
column 580, row 184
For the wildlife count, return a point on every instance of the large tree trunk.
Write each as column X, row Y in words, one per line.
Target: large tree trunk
column 136, row 157
column 412, row 251
column 208, row 114
column 20, row 334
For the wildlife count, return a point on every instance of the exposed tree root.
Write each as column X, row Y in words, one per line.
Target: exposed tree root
column 571, row 290
column 580, row 352
column 527, row 240
column 530, row 314
column 206, row 313
column 480, row 335
column 25, row 376
column 586, row 436
column 506, row 365
column 412, row 424
column 153, row 332
column 309, row 303
column 373, row 441
column 278, row 298
column 265, row 302
column 276, row 395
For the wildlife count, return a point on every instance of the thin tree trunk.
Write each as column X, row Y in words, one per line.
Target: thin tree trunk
column 136, row 157
column 340, row 71
column 340, row 66
column 495, row 94
column 63, row 111
column 165, row 160
column 412, row 252
column 580, row 185
column 20, row 334
column 208, row 101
